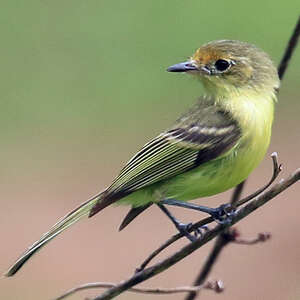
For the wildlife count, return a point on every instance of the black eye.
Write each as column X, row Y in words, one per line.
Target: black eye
column 222, row 65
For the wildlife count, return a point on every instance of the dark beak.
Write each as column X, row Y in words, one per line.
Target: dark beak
column 183, row 67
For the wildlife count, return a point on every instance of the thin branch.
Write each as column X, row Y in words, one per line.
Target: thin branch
column 261, row 237
column 216, row 286
column 222, row 240
column 289, row 50
column 172, row 240
column 236, row 194
column 277, row 168
column 208, row 236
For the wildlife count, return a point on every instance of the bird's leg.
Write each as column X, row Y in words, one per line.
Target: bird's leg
column 222, row 214
column 182, row 228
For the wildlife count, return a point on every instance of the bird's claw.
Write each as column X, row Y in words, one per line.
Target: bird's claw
column 223, row 214
column 195, row 234
column 199, row 231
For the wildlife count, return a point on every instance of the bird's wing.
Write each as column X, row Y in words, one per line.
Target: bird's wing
column 203, row 134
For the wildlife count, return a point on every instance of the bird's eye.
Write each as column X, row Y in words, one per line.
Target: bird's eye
column 222, row 65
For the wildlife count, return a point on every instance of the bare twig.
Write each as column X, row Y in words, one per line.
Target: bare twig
column 237, row 192
column 216, row 286
column 261, row 237
column 277, row 168
column 289, row 50
column 172, row 240
column 208, row 236
column 222, row 240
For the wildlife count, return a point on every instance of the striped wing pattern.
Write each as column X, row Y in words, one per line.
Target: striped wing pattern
column 201, row 135
column 173, row 152
column 157, row 160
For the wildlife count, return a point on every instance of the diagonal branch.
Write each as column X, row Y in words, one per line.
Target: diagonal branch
column 147, row 273
column 223, row 239
column 277, row 168
column 234, row 201
column 216, row 286
column 289, row 50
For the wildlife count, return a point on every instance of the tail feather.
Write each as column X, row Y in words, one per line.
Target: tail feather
column 60, row 226
column 132, row 214
column 107, row 199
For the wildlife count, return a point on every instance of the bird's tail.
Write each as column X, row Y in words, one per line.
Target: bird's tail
column 60, row 226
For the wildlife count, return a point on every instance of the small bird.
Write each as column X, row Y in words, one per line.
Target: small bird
column 210, row 149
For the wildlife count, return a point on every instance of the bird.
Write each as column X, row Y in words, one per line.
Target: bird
column 211, row 148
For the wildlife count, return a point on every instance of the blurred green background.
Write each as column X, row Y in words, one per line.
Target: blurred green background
column 83, row 85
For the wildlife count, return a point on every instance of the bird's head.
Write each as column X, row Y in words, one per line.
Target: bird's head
column 228, row 65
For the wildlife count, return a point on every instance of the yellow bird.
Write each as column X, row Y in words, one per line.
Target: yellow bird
column 210, row 149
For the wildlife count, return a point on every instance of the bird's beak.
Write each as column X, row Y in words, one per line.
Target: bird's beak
column 183, row 67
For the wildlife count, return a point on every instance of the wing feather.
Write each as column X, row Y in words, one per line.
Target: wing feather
column 175, row 151
column 201, row 135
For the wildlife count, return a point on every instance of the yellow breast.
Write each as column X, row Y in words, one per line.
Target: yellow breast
column 255, row 117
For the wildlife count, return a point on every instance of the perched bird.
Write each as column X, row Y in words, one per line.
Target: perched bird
column 210, row 149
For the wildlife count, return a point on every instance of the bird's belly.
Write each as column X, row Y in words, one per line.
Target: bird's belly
column 215, row 176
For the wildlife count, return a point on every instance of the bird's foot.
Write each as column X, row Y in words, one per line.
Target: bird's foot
column 192, row 235
column 223, row 214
